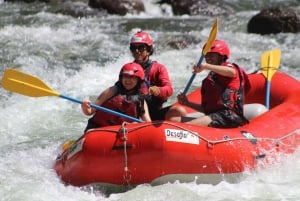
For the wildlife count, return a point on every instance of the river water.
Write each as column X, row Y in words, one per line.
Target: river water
column 80, row 57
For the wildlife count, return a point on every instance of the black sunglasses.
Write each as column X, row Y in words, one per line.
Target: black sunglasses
column 140, row 48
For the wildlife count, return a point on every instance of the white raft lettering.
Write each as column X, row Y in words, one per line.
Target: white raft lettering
column 75, row 148
column 181, row 136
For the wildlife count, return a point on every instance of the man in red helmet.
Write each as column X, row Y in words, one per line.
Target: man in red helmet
column 126, row 96
column 222, row 91
column 156, row 75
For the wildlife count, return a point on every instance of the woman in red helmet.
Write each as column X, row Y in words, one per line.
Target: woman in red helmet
column 222, row 91
column 126, row 96
column 156, row 77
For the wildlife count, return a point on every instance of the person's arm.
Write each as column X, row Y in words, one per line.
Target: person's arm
column 162, row 87
column 146, row 115
column 183, row 100
column 221, row 70
column 106, row 94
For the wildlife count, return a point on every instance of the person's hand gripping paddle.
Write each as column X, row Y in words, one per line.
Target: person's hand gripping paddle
column 211, row 39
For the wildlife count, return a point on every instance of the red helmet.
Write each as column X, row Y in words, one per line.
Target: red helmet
column 142, row 37
column 132, row 69
column 220, row 47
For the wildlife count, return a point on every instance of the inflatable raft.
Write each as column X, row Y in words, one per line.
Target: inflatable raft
column 164, row 151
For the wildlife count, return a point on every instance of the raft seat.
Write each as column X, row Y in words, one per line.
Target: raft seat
column 250, row 111
column 253, row 110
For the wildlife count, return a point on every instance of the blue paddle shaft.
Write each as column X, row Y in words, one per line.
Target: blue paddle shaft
column 268, row 94
column 102, row 109
column 193, row 76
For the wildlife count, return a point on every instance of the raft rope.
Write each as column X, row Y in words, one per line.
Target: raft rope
column 211, row 143
column 127, row 175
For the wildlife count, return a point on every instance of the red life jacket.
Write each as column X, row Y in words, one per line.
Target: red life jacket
column 156, row 74
column 220, row 92
column 131, row 105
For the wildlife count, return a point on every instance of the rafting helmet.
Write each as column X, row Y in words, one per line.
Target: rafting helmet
column 142, row 37
column 132, row 69
column 220, row 47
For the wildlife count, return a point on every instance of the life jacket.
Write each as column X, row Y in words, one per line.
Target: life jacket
column 121, row 102
column 217, row 96
column 154, row 103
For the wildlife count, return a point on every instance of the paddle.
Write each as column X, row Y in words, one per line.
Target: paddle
column 210, row 40
column 270, row 61
column 28, row 85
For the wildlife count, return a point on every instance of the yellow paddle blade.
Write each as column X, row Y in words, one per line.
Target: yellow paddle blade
column 212, row 37
column 270, row 62
column 22, row 83
column 28, row 85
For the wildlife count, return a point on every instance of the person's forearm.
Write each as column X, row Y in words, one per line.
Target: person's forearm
column 221, row 70
column 195, row 106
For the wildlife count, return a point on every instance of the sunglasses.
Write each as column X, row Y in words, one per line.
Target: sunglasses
column 140, row 48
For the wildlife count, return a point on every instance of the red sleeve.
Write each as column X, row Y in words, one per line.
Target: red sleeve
column 159, row 76
column 230, row 82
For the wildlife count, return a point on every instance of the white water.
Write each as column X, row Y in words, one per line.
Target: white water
column 80, row 58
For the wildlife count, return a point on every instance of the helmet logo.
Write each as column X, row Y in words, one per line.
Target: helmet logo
column 142, row 37
column 136, row 39
column 132, row 69
column 128, row 72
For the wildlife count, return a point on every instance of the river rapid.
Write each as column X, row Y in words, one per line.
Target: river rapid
column 80, row 57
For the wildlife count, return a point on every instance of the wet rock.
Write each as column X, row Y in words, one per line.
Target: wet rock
column 119, row 7
column 198, row 7
column 182, row 41
column 275, row 20
column 77, row 9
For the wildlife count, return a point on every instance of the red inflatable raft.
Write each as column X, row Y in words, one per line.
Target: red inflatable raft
column 163, row 151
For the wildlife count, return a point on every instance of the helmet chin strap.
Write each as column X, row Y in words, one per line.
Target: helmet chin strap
column 146, row 62
column 221, row 59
